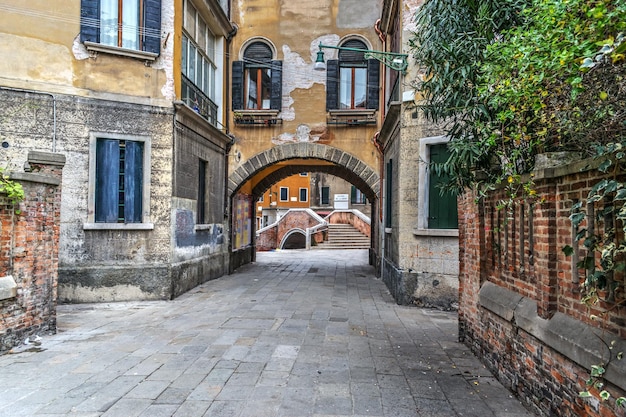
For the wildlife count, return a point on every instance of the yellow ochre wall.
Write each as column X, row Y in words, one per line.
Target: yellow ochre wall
column 295, row 29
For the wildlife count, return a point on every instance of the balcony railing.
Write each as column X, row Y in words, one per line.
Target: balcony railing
column 197, row 100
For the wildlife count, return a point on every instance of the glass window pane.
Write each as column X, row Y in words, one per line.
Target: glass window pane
column 360, row 87
column 210, row 47
column 190, row 19
column 251, row 88
column 201, row 39
column 108, row 22
column 345, row 88
column 184, row 53
column 192, row 63
column 266, row 85
column 130, row 24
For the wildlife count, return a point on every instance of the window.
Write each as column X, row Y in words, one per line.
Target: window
column 284, row 194
column 325, row 195
column 119, row 178
column 261, row 199
column 304, row 195
column 356, row 196
column 437, row 212
column 352, row 81
column 202, row 194
column 128, row 24
column 304, row 174
column 257, row 80
column 442, row 208
column 198, row 65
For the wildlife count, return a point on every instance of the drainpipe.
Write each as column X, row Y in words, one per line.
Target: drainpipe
column 381, row 229
column 54, row 110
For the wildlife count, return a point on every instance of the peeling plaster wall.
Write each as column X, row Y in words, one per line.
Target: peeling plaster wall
column 296, row 29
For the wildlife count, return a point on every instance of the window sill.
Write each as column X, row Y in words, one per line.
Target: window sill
column 118, row 226
column 436, row 232
column 114, row 50
column 257, row 117
column 351, row 117
column 199, row 227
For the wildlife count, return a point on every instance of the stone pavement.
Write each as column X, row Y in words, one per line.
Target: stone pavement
column 295, row 334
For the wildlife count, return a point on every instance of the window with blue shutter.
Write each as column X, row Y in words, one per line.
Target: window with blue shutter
column 128, row 24
column 119, row 181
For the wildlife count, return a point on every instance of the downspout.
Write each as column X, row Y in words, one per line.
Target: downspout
column 381, row 231
column 54, row 110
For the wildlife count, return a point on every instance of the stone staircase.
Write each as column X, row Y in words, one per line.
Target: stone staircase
column 344, row 236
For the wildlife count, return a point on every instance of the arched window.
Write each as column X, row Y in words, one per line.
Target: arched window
column 352, row 80
column 257, row 80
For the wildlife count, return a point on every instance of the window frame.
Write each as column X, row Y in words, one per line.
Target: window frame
column 422, row 228
column 334, row 79
column 91, row 223
column 306, row 194
column 240, row 85
column 149, row 30
column 280, row 194
column 324, row 187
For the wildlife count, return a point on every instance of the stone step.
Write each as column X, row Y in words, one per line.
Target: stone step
column 344, row 236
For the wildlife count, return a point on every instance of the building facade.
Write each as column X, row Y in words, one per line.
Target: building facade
column 419, row 232
column 132, row 93
column 288, row 117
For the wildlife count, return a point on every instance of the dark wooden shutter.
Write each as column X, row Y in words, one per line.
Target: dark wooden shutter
column 353, row 195
column 237, row 85
column 90, row 20
column 373, row 83
column 133, row 182
column 276, row 95
column 152, row 26
column 107, row 180
column 442, row 208
column 332, row 84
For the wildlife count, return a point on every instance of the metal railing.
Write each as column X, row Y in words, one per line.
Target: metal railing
column 200, row 102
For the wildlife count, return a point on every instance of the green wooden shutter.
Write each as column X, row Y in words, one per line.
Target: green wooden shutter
column 442, row 208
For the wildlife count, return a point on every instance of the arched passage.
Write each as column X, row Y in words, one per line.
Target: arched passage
column 263, row 170
column 342, row 164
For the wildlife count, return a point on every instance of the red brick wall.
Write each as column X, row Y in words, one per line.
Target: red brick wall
column 520, row 250
column 347, row 217
column 29, row 252
column 294, row 219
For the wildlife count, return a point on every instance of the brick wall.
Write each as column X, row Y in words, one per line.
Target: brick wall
column 520, row 304
column 29, row 252
column 294, row 219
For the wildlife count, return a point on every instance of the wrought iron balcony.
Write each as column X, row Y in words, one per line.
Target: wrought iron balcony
column 197, row 100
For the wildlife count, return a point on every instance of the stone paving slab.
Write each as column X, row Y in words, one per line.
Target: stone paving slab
column 296, row 334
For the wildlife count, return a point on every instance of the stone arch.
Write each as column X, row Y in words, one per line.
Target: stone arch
column 345, row 165
column 290, row 234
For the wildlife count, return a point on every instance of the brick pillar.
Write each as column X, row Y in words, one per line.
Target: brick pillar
column 471, row 260
column 32, row 261
column 545, row 250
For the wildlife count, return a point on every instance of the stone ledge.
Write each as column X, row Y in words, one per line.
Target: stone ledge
column 46, row 158
column 8, row 287
column 576, row 340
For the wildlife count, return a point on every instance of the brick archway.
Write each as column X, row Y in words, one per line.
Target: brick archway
column 345, row 165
